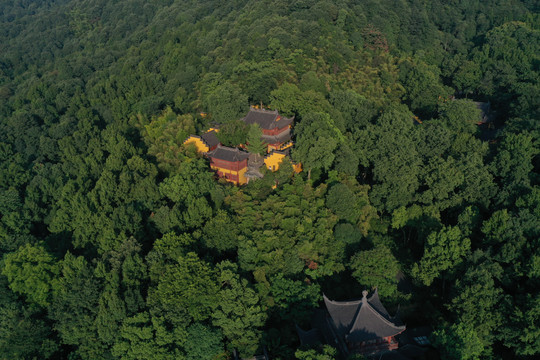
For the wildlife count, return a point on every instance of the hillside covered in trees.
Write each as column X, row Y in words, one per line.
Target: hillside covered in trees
column 117, row 242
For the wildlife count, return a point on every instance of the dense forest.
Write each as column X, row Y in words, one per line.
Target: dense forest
column 118, row 242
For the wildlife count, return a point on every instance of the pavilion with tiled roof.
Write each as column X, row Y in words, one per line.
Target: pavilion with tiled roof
column 360, row 326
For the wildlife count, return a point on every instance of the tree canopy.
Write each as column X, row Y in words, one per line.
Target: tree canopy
column 415, row 124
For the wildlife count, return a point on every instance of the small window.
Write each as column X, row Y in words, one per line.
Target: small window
column 422, row 340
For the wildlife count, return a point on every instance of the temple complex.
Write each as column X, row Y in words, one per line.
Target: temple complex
column 238, row 166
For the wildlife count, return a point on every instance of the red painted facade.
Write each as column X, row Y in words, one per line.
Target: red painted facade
column 229, row 165
column 228, row 176
column 375, row 345
column 275, row 131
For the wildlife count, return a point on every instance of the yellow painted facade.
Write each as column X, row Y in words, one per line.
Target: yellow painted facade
column 281, row 147
column 286, row 146
column 241, row 174
column 271, row 148
column 273, row 160
column 199, row 143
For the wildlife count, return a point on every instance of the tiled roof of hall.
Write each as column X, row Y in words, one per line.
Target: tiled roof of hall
column 267, row 119
column 228, row 154
column 364, row 319
column 210, row 138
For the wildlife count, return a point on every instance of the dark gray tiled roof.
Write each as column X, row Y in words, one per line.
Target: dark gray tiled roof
column 369, row 324
column 281, row 123
column 342, row 313
column 362, row 320
column 267, row 119
column 376, row 303
column 485, row 111
column 210, row 138
column 483, row 106
column 228, row 154
column 253, row 174
column 279, row 138
column 310, row 337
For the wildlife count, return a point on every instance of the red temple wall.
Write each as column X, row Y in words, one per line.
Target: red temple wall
column 275, row 131
column 375, row 345
column 229, row 165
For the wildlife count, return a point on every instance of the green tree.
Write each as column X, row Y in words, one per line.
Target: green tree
column 356, row 110
column 388, row 146
column 226, row 103
column 221, row 232
column 325, row 352
column 144, row 337
column 423, row 86
column 233, row 133
column 376, row 268
column 190, row 189
column 347, row 162
column 343, row 202
column 25, row 334
column 468, row 76
column 294, row 230
column 289, row 100
column 478, row 298
column 258, row 79
column 183, row 290
column 286, row 99
column 512, row 165
column 441, row 180
column 444, row 250
column 74, row 307
column 203, row 343
column 458, row 341
column 164, row 136
column 31, row 271
column 255, row 144
column 238, row 313
column 460, row 115
column 523, row 334
column 317, row 138
column 294, row 299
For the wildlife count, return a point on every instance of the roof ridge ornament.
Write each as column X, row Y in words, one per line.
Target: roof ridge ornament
column 364, row 295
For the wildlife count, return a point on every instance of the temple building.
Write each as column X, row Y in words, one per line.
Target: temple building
column 229, row 163
column 360, row 326
column 275, row 128
column 204, row 143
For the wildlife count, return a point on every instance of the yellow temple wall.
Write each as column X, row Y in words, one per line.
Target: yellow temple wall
column 199, row 143
column 273, row 160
